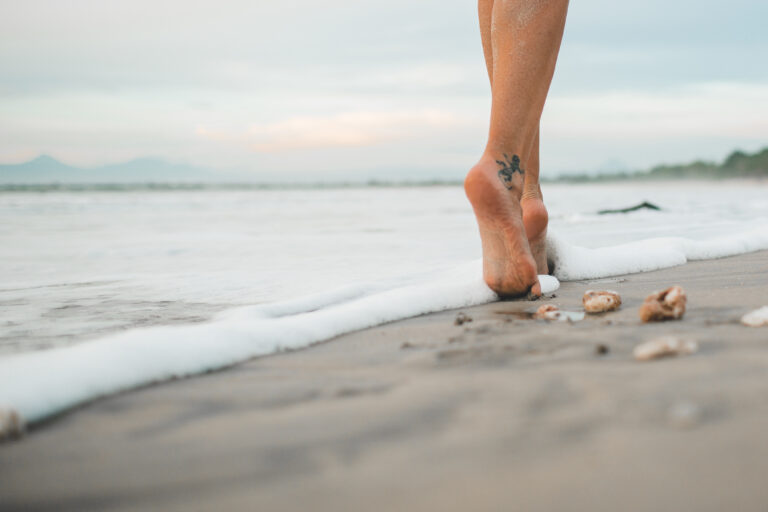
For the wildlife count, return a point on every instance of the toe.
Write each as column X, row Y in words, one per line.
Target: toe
column 535, row 291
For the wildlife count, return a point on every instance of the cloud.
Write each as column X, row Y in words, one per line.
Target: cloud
column 343, row 130
column 702, row 110
column 349, row 84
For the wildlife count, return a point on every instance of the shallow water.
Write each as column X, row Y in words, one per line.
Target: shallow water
column 79, row 265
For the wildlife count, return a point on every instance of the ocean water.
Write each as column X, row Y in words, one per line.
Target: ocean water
column 78, row 265
column 223, row 275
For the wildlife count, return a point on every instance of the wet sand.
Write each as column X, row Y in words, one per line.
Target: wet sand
column 500, row 413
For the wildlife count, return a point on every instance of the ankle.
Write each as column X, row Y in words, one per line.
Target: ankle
column 503, row 170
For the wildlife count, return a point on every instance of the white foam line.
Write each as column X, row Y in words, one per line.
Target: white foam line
column 301, row 304
column 573, row 263
column 39, row 384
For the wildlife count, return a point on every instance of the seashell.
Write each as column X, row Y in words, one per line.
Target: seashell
column 668, row 304
column 664, row 347
column 601, row 301
column 757, row 318
column 11, row 424
column 547, row 312
column 552, row 312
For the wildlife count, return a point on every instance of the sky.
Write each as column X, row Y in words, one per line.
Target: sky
column 394, row 89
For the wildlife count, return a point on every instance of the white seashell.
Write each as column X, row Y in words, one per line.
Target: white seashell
column 548, row 284
column 601, row 301
column 757, row 318
column 552, row 313
column 664, row 347
column 572, row 316
column 547, row 312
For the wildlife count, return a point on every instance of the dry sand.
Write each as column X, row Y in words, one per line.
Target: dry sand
column 501, row 413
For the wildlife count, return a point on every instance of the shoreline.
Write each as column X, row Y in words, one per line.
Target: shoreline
column 172, row 186
column 422, row 413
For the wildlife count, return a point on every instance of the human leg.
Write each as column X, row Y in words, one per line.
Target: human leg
column 524, row 41
column 535, row 216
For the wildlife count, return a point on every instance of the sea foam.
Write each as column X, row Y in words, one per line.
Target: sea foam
column 572, row 263
column 37, row 385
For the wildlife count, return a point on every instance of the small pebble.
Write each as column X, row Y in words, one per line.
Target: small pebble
column 461, row 319
column 668, row 304
column 11, row 424
column 757, row 318
column 601, row 301
column 601, row 349
column 665, row 346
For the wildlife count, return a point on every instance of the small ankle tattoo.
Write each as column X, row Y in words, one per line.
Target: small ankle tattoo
column 509, row 166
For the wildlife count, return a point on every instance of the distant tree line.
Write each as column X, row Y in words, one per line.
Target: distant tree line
column 738, row 165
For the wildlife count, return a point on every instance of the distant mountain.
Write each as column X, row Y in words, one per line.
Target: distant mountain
column 45, row 170
column 41, row 164
column 737, row 165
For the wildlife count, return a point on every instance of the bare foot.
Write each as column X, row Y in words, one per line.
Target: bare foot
column 535, row 220
column 494, row 190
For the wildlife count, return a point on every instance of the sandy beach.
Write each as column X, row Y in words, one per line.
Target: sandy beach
column 500, row 413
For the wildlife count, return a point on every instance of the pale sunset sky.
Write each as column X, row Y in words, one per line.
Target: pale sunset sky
column 390, row 89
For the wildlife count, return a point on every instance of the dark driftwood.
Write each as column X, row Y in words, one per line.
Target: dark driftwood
column 644, row 204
